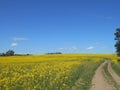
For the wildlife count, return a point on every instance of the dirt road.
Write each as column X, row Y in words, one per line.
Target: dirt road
column 105, row 78
column 99, row 82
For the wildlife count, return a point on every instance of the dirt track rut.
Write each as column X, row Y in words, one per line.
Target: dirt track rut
column 114, row 75
column 99, row 82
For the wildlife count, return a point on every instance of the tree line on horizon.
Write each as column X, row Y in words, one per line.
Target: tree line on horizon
column 8, row 53
column 12, row 53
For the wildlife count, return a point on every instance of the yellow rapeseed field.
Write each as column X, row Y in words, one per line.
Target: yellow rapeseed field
column 116, row 64
column 48, row 72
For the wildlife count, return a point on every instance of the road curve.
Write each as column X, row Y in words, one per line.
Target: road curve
column 99, row 82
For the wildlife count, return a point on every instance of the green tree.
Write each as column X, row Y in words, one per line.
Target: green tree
column 117, row 38
column 10, row 53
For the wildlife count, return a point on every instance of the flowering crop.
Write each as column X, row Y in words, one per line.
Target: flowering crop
column 44, row 72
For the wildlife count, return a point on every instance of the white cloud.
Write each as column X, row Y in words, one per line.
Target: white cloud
column 90, row 48
column 19, row 39
column 14, row 44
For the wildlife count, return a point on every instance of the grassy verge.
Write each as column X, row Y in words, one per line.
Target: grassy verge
column 85, row 76
column 116, row 67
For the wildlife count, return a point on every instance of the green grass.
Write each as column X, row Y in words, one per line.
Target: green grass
column 116, row 67
column 85, row 76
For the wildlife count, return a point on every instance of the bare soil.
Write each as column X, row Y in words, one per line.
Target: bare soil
column 99, row 82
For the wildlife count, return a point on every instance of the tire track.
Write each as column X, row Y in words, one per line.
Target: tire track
column 115, row 77
column 99, row 82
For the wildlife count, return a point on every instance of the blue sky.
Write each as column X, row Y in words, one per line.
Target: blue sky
column 69, row 26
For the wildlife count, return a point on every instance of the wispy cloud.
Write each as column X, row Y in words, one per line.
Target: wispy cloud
column 19, row 39
column 15, row 39
column 14, row 44
column 90, row 48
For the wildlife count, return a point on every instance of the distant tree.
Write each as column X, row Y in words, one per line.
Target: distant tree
column 10, row 53
column 117, row 38
column 55, row 53
column 58, row 53
column 3, row 54
column 27, row 54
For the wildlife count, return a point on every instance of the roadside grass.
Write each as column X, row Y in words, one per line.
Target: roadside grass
column 116, row 66
column 85, row 76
